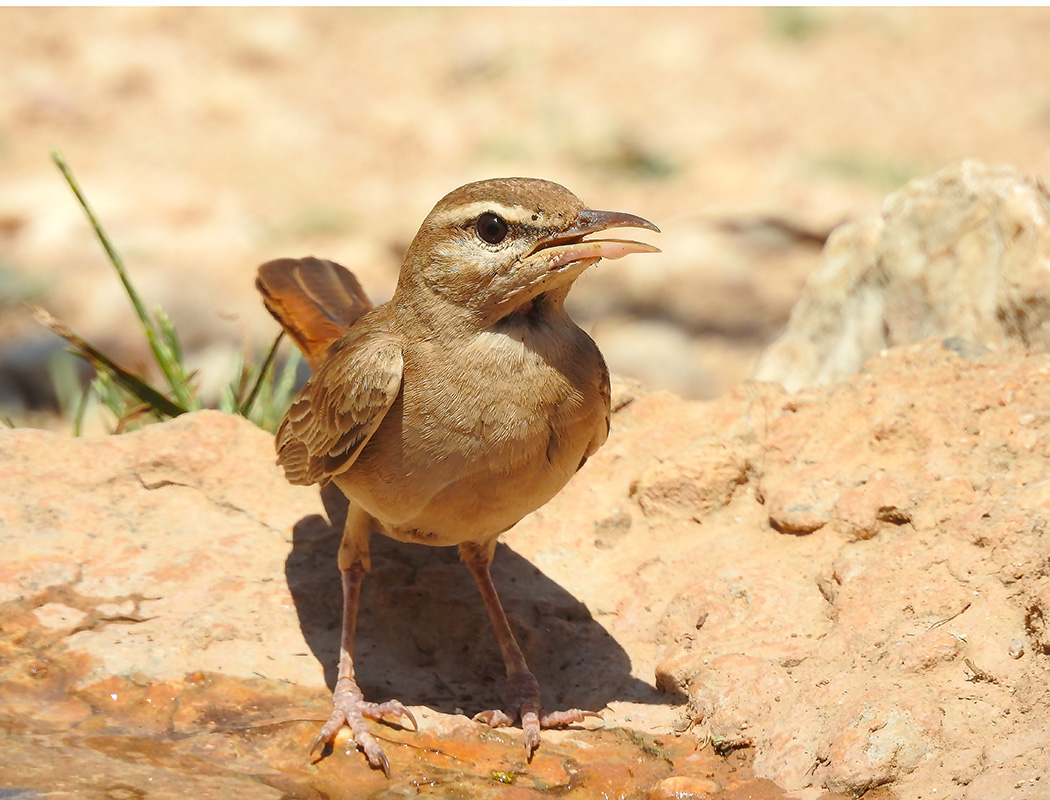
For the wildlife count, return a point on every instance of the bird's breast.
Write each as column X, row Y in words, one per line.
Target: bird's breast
column 484, row 431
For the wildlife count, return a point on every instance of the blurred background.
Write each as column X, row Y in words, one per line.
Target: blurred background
column 211, row 140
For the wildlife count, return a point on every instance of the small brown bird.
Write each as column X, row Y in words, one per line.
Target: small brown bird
column 452, row 411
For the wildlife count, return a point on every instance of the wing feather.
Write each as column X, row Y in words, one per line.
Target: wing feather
column 339, row 408
column 316, row 301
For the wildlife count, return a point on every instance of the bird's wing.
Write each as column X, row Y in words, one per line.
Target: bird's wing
column 602, row 433
column 316, row 301
column 606, row 394
column 340, row 407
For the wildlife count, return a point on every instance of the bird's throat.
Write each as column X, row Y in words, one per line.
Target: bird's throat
column 531, row 311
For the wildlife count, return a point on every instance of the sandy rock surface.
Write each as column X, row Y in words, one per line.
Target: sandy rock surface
column 851, row 582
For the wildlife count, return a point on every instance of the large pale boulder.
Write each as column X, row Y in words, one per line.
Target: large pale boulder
column 963, row 253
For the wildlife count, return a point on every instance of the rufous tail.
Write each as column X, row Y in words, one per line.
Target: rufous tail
column 316, row 301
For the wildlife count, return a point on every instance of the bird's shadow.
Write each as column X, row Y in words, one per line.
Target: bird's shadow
column 424, row 637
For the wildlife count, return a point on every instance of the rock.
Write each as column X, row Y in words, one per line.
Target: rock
column 845, row 664
column 878, row 738
column 168, row 592
column 169, row 586
column 963, row 254
column 695, row 485
column 685, row 787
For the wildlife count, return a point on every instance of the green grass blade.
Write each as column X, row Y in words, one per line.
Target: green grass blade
column 131, row 382
column 163, row 355
column 245, row 408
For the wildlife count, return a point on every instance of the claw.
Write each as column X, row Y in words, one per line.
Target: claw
column 494, row 718
column 393, row 707
column 318, row 742
column 350, row 709
column 376, row 757
column 559, row 719
column 522, row 698
column 530, row 726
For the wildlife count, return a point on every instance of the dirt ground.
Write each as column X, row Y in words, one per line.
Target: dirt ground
column 210, row 140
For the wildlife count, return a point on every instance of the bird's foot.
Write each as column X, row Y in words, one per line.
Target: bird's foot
column 522, row 698
column 351, row 709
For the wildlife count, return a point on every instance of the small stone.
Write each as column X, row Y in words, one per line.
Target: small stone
column 684, row 787
column 58, row 616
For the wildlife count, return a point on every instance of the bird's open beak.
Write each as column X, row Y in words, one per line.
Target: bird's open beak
column 569, row 246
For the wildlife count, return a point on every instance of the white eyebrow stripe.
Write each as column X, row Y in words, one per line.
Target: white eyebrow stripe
column 470, row 211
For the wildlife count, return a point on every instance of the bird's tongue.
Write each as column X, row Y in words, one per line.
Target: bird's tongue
column 564, row 254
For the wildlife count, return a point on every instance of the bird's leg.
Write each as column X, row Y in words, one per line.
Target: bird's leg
column 521, row 691
column 348, row 704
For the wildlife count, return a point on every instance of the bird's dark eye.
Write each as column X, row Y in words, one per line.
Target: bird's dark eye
column 492, row 228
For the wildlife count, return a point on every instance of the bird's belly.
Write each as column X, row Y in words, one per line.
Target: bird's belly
column 476, row 507
column 446, row 502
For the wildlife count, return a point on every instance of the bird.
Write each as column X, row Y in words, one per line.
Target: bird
column 453, row 410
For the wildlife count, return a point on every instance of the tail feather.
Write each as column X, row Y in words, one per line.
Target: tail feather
column 316, row 301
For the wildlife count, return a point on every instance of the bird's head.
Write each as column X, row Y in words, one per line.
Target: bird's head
column 495, row 246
